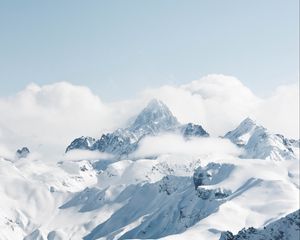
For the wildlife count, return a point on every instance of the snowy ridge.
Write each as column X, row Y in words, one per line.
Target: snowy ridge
column 286, row 228
column 242, row 133
column 265, row 145
column 258, row 142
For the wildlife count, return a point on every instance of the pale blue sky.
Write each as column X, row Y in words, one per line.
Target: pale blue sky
column 118, row 48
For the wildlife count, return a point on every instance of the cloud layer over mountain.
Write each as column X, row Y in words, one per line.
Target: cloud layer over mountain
column 49, row 116
column 176, row 144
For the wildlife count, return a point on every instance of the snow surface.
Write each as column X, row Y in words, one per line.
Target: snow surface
column 145, row 198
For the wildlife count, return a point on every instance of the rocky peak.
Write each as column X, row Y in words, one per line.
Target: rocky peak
column 242, row 133
column 155, row 117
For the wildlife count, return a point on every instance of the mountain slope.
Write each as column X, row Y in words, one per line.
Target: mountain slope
column 260, row 143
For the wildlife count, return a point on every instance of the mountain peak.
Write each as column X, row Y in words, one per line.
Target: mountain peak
column 241, row 134
column 156, row 103
column 248, row 122
column 258, row 142
column 155, row 117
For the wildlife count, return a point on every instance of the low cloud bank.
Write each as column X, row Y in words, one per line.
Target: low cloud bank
column 85, row 155
column 176, row 144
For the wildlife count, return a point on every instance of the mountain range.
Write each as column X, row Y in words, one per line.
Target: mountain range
column 155, row 119
column 250, row 192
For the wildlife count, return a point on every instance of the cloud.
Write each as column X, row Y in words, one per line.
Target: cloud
column 47, row 118
column 280, row 112
column 176, row 144
column 220, row 103
column 52, row 115
column 85, row 155
column 217, row 102
column 6, row 153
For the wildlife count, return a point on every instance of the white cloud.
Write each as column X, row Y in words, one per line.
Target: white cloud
column 280, row 112
column 6, row 153
column 47, row 118
column 176, row 144
column 52, row 115
column 220, row 103
column 85, row 155
column 217, row 102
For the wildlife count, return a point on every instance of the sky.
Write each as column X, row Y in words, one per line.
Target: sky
column 119, row 48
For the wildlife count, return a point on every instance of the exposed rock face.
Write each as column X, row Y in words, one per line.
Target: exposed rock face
column 23, row 152
column 286, row 228
column 212, row 173
column 258, row 142
column 120, row 142
column 213, row 194
column 242, row 133
column 154, row 119
column 193, row 130
column 84, row 143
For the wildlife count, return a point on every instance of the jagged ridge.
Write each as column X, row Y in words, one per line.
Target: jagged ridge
column 286, row 228
column 258, row 142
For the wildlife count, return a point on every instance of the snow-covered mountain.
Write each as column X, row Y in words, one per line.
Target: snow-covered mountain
column 242, row 133
column 209, row 194
column 286, row 228
column 258, row 142
column 154, row 119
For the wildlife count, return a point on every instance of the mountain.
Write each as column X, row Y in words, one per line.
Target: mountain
column 260, row 143
column 154, row 119
column 286, row 228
